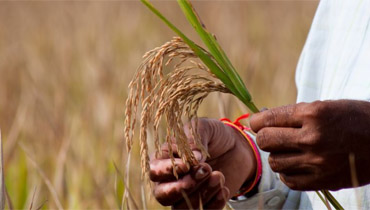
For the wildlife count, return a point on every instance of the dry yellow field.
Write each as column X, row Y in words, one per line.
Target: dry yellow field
column 64, row 71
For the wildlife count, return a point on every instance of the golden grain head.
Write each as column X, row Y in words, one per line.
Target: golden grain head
column 172, row 96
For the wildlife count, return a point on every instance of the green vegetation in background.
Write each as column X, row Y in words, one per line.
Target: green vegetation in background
column 16, row 181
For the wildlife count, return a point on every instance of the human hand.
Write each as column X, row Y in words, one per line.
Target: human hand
column 215, row 179
column 310, row 143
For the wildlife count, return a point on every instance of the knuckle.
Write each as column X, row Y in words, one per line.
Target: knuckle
column 271, row 118
column 253, row 123
column 314, row 139
column 187, row 183
column 319, row 162
column 154, row 170
column 289, row 182
column 261, row 139
column 152, row 174
column 188, row 186
column 310, row 140
column 161, row 197
column 300, row 110
column 281, row 138
column 290, row 110
column 274, row 164
column 310, row 110
column 314, row 109
column 292, row 185
column 302, row 104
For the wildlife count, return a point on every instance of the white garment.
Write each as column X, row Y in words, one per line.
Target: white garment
column 334, row 64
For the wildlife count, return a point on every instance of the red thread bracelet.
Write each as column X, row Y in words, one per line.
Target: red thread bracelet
column 242, row 129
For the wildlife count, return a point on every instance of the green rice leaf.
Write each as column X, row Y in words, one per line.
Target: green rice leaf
column 214, row 48
column 332, row 200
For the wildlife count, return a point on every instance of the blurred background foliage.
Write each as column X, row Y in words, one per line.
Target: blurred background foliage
column 64, row 71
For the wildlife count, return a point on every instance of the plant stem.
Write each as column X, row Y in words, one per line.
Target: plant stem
column 332, row 200
column 252, row 107
column 323, row 200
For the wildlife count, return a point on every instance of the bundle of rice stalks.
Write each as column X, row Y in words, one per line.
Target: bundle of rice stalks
column 179, row 93
column 171, row 96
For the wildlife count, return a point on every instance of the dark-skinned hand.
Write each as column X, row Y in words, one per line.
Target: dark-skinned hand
column 310, row 143
column 215, row 179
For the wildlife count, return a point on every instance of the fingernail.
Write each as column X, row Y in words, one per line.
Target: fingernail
column 197, row 155
column 201, row 173
column 263, row 109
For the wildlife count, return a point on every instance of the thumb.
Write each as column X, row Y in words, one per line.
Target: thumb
column 216, row 137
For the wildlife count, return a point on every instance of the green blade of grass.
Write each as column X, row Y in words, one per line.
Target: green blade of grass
column 129, row 196
column 2, row 183
column 323, row 200
column 332, row 200
column 214, row 48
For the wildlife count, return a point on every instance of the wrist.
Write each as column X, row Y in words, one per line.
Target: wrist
column 243, row 164
column 252, row 159
column 247, row 161
column 246, row 158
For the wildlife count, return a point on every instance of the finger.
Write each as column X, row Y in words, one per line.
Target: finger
column 302, row 182
column 273, row 139
column 161, row 170
column 205, row 193
column 161, row 167
column 165, row 152
column 289, row 163
column 168, row 193
column 214, row 135
column 286, row 116
column 219, row 201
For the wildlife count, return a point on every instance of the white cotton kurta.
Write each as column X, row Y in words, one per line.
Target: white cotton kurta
column 334, row 64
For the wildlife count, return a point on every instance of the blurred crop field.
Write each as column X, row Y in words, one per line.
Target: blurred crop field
column 64, row 71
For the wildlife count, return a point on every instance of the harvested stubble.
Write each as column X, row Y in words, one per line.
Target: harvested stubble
column 169, row 96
